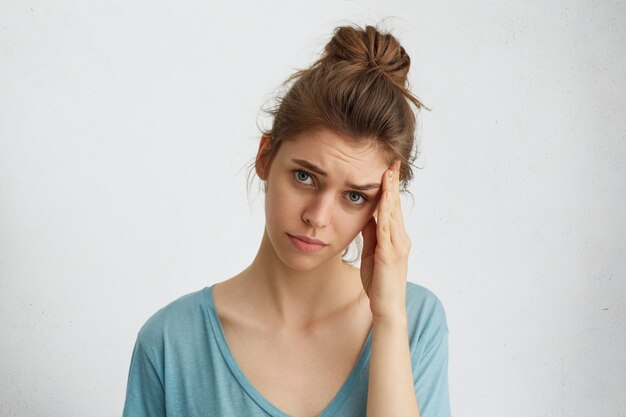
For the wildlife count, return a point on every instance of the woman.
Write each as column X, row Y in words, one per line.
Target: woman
column 301, row 332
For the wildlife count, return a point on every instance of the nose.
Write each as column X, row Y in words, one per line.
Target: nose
column 317, row 212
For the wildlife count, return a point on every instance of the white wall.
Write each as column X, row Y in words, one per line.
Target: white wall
column 125, row 129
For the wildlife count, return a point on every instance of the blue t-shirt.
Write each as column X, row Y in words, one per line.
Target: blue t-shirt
column 182, row 366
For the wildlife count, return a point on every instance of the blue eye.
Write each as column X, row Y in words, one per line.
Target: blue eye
column 364, row 198
column 302, row 176
column 358, row 195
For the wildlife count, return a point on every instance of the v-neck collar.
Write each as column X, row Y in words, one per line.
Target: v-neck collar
column 274, row 411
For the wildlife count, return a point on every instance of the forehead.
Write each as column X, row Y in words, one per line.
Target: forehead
column 334, row 151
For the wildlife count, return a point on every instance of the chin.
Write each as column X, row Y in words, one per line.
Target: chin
column 301, row 261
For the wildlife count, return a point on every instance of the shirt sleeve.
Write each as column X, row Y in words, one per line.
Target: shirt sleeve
column 145, row 395
column 430, row 367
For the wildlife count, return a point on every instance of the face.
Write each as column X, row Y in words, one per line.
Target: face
column 313, row 190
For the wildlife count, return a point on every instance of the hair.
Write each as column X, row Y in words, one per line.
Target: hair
column 358, row 88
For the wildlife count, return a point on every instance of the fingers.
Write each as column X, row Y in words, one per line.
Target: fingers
column 390, row 228
column 384, row 209
column 397, row 232
column 395, row 189
column 396, row 213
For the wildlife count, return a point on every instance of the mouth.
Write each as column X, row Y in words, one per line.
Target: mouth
column 308, row 239
column 306, row 244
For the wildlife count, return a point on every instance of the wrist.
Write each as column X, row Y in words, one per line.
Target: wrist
column 390, row 318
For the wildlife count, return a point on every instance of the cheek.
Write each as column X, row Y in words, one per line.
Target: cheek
column 280, row 202
column 353, row 222
column 365, row 215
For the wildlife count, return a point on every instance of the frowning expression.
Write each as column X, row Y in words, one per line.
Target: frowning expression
column 321, row 186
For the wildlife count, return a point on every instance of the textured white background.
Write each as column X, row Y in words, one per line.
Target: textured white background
column 126, row 127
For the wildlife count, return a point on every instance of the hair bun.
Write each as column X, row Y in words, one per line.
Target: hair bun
column 371, row 50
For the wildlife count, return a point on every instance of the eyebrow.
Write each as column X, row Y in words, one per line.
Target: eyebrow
column 320, row 171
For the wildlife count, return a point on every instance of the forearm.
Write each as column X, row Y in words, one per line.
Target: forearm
column 391, row 391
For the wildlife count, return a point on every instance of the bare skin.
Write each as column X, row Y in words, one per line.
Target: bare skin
column 302, row 368
column 296, row 322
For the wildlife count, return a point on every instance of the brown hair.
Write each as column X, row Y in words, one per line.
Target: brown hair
column 358, row 88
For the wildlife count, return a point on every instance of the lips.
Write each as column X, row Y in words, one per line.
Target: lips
column 306, row 247
column 308, row 239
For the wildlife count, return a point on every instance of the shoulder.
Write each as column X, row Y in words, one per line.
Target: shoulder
column 420, row 294
column 422, row 299
column 174, row 318
column 425, row 311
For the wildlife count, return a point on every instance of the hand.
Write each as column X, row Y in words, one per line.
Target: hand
column 386, row 246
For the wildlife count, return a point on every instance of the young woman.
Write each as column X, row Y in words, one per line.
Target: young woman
column 301, row 332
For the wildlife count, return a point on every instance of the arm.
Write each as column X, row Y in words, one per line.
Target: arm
column 384, row 264
column 404, row 381
column 391, row 390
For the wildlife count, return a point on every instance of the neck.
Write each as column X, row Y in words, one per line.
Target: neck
column 300, row 298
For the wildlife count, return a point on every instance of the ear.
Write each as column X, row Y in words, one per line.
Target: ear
column 262, row 156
